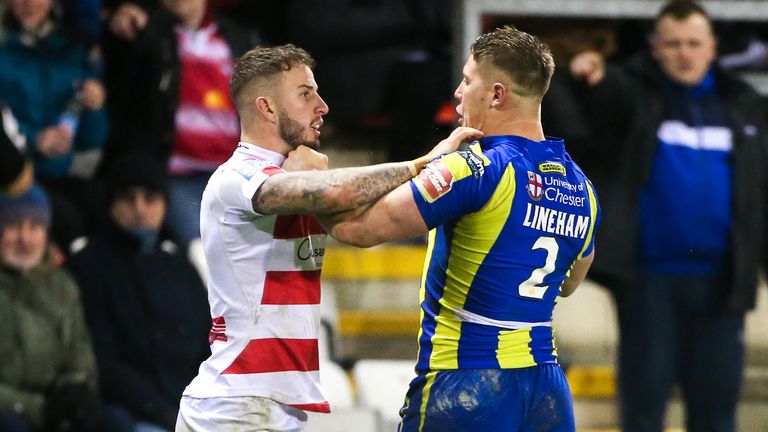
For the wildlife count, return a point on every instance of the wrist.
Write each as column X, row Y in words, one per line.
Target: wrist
column 412, row 168
column 416, row 165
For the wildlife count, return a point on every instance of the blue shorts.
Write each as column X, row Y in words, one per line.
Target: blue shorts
column 533, row 399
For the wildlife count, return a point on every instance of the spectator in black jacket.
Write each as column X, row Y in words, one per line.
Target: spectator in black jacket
column 177, row 106
column 684, row 194
column 144, row 302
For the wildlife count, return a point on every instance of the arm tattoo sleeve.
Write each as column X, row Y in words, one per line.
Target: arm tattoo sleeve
column 326, row 192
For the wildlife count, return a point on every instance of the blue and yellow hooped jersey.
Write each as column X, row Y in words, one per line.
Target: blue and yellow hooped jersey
column 507, row 218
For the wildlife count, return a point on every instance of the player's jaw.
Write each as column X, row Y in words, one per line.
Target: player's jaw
column 460, row 114
column 295, row 134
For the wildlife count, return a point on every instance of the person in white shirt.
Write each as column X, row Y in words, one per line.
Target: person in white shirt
column 265, row 249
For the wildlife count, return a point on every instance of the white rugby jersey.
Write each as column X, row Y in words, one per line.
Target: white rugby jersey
column 263, row 289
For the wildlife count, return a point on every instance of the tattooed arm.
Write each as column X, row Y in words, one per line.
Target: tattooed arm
column 393, row 217
column 329, row 191
column 338, row 190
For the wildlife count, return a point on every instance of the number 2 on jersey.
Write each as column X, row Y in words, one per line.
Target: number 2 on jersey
column 532, row 287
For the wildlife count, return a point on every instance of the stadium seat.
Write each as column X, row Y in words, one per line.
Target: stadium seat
column 329, row 309
column 382, row 385
column 336, row 384
column 325, row 342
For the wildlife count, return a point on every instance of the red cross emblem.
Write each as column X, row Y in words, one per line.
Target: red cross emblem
column 534, row 186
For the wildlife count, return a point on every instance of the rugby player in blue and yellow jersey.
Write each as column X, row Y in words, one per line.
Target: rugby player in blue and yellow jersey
column 511, row 223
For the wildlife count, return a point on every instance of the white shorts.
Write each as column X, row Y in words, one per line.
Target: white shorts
column 241, row 414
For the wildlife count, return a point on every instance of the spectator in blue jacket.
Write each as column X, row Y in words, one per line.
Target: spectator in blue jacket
column 685, row 193
column 47, row 79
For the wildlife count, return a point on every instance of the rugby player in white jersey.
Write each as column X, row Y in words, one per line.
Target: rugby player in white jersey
column 265, row 250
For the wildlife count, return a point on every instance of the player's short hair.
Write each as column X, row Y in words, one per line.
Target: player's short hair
column 522, row 56
column 680, row 10
column 261, row 64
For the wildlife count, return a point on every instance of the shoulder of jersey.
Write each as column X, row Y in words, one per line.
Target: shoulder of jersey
column 437, row 178
column 249, row 167
column 467, row 162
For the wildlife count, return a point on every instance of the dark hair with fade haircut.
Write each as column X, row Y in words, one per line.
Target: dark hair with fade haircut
column 263, row 62
column 526, row 59
column 680, row 10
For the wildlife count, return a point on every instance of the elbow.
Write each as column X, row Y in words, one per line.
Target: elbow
column 567, row 288
column 356, row 241
column 353, row 237
column 360, row 243
column 335, row 201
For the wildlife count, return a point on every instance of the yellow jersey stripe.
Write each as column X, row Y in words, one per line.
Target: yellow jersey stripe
column 477, row 150
column 513, row 350
column 458, row 166
column 473, row 236
column 593, row 216
column 430, row 377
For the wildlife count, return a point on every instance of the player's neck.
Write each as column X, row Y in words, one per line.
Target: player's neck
column 526, row 128
column 267, row 139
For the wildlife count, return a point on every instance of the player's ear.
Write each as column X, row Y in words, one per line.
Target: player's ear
column 499, row 94
column 266, row 107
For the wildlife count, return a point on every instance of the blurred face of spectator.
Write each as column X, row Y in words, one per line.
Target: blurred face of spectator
column 31, row 13
column 138, row 208
column 301, row 109
column 685, row 48
column 186, row 9
column 23, row 245
column 473, row 95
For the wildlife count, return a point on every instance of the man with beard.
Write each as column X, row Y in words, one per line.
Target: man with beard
column 265, row 251
column 179, row 63
column 48, row 374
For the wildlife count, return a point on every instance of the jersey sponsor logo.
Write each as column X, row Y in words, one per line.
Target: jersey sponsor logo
column 305, row 250
column 556, row 222
column 218, row 330
column 535, row 187
column 435, row 180
column 250, row 167
column 556, row 195
column 474, row 162
column 552, row 167
column 554, row 181
column 573, row 196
